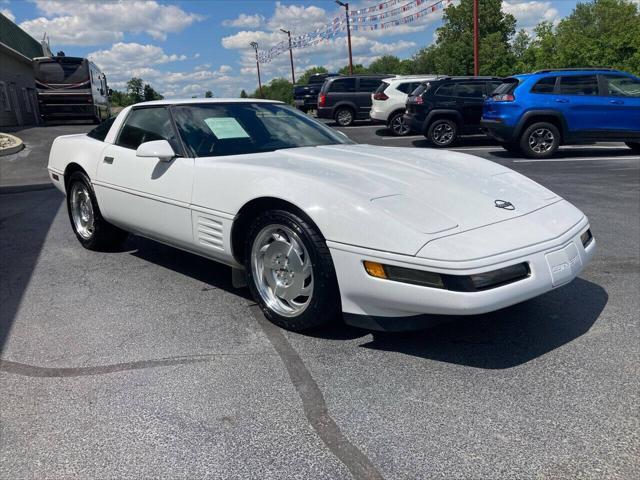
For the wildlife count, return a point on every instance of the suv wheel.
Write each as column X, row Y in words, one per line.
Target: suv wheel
column 344, row 117
column 635, row 146
column 540, row 140
column 398, row 125
column 443, row 132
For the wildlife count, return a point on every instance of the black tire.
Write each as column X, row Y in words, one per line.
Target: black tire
column 104, row 236
column 344, row 116
column 540, row 140
column 513, row 148
column 635, row 146
column 442, row 133
column 324, row 304
column 398, row 125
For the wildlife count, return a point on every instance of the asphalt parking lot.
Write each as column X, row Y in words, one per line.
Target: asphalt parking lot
column 146, row 363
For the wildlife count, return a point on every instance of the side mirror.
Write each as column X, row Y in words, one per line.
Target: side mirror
column 160, row 149
column 109, row 91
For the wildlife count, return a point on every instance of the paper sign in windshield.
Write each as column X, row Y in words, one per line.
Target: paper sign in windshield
column 226, row 127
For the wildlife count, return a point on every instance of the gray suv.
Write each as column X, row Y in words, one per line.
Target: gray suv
column 346, row 99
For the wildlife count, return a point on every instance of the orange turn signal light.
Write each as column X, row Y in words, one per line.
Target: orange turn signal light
column 374, row 269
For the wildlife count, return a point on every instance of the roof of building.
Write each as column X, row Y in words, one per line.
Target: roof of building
column 12, row 36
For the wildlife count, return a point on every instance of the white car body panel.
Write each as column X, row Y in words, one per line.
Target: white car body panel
column 381, row 110
column 418, row 208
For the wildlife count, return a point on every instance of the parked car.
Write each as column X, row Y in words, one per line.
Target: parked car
column 448, row 107
column 346, row 99
column 536, row 113
column 305, row 97
column 318, row 226
column 388, row 102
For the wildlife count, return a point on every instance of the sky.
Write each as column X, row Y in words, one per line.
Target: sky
column 184, row 48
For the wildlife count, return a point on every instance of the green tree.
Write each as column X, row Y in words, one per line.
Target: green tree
column 135, row 88
column 150, row 94
column 208, row 94
column 601, row 33
column 424, row 61
column 389, row 64
column 243, row 94
column 277, row 89
column 304, row 78
column 357, row 69
column 453, row 52
column 120, row 99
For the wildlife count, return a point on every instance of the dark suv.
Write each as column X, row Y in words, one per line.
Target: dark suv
column 346, row 99
column 535, row 113
column 445, row 108
column 305, row 97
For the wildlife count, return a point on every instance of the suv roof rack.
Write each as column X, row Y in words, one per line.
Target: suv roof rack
column 588, row 69
column 469, row 77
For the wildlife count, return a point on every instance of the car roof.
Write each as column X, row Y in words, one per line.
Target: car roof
column 400, row 78
column 187, row 101
column 569, row 71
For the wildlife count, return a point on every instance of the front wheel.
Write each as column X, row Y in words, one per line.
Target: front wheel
column 635, row 146
column 540, row 140
column 442, row 133
column 93, row 231
column 398, row 125
column 290, row 272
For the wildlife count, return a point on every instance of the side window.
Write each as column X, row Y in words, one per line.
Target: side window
column 145, row 125
column 369, row 84
column 101, row 131
column 446, row 90
column 544, row 85
column 470, row 90
column 619, row 86
column 405, row 88
column 579, row 85
column 343, row 85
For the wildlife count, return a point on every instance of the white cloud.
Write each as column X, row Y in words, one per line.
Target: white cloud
column 125, row 56
column 91, row 23
column 297, row 18
column 530, row 13
column 245, row 21
column 7, row 13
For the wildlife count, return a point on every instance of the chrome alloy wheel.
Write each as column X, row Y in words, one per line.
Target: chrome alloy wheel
column 82, row 210
column 344, row 117
column 399, row 125
column 541, row 140
column 282, row 270
column 442, row 134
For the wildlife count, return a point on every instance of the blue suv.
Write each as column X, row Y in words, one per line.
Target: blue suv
column 535, row 113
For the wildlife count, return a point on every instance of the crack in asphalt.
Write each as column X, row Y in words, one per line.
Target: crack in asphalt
column 314, row 405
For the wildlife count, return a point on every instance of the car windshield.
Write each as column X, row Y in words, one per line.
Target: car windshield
column 217, row 129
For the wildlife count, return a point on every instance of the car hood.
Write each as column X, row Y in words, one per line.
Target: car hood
column 432, row 191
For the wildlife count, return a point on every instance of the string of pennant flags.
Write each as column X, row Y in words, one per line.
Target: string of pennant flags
column 365, row 19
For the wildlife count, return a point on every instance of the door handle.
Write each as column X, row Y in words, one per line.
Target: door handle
column 616, row 102
column 562, row 100
column 108, row 160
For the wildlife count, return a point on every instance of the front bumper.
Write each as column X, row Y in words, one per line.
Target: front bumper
column 366, row 299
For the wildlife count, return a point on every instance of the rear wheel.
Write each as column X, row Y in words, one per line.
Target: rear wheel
column 540, row 140
column 344, row 117
column 442, row 133
column 93, row 231
column 635, row 146
column 398, row 125
column 290, row 272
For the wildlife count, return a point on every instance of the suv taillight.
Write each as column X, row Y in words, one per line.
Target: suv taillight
column 417, row 99
column 503, row 97
column 322, row 99
column 380, row 96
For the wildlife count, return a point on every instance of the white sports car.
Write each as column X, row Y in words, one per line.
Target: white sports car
column 321, row 226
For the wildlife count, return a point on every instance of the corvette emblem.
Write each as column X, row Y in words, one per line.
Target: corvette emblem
column 504, row 204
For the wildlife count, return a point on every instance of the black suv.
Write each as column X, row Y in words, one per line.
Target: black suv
column 346, row 99
column 305, row 97
column 447, row 107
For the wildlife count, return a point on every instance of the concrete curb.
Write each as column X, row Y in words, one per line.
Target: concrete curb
column 13, row 149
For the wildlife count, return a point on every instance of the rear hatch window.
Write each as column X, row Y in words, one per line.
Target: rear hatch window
column 508, row 85
column 383, row 86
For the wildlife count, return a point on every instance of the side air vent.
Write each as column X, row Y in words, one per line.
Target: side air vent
column 209, row 231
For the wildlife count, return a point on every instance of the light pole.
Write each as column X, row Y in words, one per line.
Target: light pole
column 293, row 75
column 346, row 8
column 476, row 40
column 255, row 47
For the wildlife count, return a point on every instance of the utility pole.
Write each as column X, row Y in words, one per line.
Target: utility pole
column 346, row 8
column 255, row 47
column 476, row 40
column 293, row 75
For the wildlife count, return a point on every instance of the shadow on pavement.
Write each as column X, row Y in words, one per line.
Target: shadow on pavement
column 462, row 142
column 25, row 219
column 509, row 337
